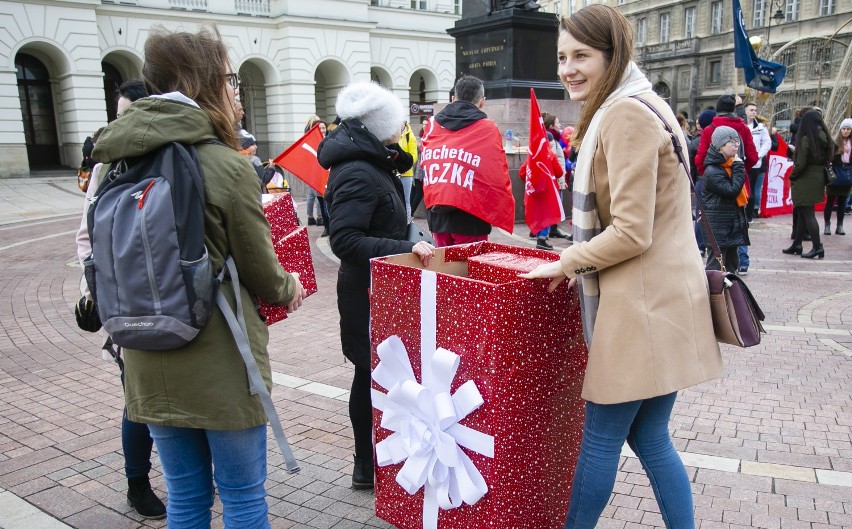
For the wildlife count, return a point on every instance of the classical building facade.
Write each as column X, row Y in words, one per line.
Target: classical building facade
column 687, row 48
column 61, row 60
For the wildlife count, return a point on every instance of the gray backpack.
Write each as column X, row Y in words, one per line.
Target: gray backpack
column 149, row 271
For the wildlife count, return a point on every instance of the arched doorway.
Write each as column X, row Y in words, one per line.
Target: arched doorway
column 381, row 76
column 112, row 80
column 663, row 90
column 36, row 98
column 422, row 88
column 253, row 98
column 330, row 78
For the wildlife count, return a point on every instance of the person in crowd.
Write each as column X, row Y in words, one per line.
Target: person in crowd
column 704, row 120
column 312, row 196
column 554, row 131
column 417, row 183
column 725, row 107
column 239, row 116
column 248, row 148
column 454, row 215
column 555, row 167
column 136, row 442
column 408, row 143
column 813, row 151
column 763, row 143
column 649, row 336
column 724, row 197
column 367, row 219
column 838, row 193
column 196, row 399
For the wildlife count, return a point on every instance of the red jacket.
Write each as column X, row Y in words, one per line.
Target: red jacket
column 745, row 138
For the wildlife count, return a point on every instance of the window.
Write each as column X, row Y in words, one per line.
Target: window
column 714, row 76
column 665, row 20
column 418, row 4
column 826, row 7
column 791, row 12
column 716, row 17
column 642, row 31
column 572, row 6
column 457, row 7
column 689, row 23
column 759, row 18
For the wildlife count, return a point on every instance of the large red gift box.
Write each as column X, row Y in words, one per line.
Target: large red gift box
column 292, row 247
column 496, row 404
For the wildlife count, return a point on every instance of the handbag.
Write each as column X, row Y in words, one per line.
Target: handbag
column 830, row 176
column 736, row 315
column 844, row 176
column 417, row 234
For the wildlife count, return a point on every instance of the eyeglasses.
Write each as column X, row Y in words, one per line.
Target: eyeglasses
column 233, row 80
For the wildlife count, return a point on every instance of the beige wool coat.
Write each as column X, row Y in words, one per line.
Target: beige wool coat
column 653, row 333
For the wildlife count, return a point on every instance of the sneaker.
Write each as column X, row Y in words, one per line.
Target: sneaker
column 742, row 271
column 312, row 221
column 541, row 244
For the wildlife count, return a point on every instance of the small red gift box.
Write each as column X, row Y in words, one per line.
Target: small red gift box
column 280, row 211
column 497, row 400
column 292, row 248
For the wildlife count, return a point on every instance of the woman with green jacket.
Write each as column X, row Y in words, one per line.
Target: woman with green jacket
column 196, row 399
column 813, row 152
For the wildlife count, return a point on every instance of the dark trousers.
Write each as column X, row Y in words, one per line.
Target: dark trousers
column 805, row 222
column 361, row 414
column 324, row 210
column 136, row 443
column 830, row 202
column 416, row 194
column 730, row 258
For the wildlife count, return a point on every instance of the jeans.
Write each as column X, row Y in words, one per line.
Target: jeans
column 742, row 254
column 756, row 188
column 407, row 182
column 189, row 457
column 312, row 197
column 644, row 424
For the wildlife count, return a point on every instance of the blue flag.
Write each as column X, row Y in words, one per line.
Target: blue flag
column 759, row 74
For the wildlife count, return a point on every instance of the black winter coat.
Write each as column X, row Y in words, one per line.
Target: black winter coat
column 719, row 199
column 367, row 219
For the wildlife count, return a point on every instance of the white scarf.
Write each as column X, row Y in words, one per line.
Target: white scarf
column 587, row 223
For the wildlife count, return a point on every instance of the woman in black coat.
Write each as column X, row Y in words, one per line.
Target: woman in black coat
column 719, row 195
column 367, row 219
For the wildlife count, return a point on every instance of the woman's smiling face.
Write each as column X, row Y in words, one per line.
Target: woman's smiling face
column 581, row 67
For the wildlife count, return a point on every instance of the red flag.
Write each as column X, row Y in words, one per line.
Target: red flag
column 542, row 202
column 301, row 160
column 467, row 169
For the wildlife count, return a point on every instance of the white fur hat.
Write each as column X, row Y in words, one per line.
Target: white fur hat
column 377, row 108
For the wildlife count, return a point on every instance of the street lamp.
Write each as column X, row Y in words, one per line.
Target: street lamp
column 777, row 18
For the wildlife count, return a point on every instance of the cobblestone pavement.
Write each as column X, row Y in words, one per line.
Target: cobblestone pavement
column 768, row 445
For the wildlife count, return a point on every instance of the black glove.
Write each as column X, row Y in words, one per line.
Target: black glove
column 86, row 312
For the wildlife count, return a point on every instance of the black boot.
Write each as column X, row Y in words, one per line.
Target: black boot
column 559, row 234
column 827, row 229
column 839, row 230
column 541, row 244
column 143, row 500
column 795, row 249
column 362, row 474
column 817, row 252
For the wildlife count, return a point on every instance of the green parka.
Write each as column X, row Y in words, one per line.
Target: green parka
column 807, row 181
column 204, row 385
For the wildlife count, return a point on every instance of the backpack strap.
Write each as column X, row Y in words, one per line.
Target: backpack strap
column 237, row 323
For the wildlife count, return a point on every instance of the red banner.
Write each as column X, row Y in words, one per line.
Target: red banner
column 301, row 160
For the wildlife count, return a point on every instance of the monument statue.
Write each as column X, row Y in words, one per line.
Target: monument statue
column 500, row 5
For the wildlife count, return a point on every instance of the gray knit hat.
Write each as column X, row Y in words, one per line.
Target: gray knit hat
column 722, row 135
column 377, row 108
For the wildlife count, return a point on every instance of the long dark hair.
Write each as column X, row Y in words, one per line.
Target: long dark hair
column 195, row 65
column 810, row 127
column 603, row 28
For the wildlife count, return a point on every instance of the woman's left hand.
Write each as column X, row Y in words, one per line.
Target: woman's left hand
column 550, row 271
column 424, row 251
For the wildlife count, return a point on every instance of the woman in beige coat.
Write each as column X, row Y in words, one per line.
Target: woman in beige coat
column 646, row 313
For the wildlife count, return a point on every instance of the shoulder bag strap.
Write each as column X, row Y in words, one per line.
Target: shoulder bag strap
column 717, row 253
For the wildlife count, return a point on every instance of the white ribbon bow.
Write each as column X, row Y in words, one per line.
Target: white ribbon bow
column 425, row 419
